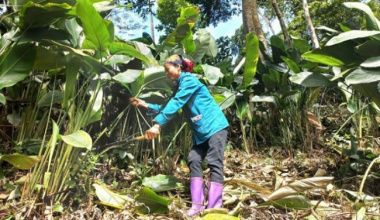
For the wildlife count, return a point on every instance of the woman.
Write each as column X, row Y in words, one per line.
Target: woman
column 209, row 130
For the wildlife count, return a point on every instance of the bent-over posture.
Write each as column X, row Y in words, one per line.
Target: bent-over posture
column 209, row 130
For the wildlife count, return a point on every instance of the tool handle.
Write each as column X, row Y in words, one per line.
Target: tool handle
column 140, row 138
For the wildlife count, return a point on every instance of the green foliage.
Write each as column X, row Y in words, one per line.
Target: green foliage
column 20, row 161
column 251, row 59
column 94, row 27
column 15, row 64
column 167, row 12
column 360, row 76
column 212, row 12
column 36, row 15
column 109, row 198
column 161, row 183
column 333, row 15
column 80, row 139
column 152, row 203
column 185, row 24
column 49, row 98
column 309, row 79
column 297, row 202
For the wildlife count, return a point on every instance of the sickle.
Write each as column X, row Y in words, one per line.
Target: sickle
column 117, row 144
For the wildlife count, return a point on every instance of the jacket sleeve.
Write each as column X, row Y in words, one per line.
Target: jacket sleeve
column 153, row 108
column 186, row 89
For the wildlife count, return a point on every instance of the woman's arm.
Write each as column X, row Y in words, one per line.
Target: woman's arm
column 186, row 89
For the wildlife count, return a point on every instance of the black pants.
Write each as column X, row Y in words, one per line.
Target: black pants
column 213, row 148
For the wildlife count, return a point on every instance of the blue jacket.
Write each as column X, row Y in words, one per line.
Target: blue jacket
column 197, row 103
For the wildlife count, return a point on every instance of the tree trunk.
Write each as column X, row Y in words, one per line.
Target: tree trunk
column 284, row 29
column 257, row 25
column 151, row 21
column 252, row 23
column 248, row 16
column 310, row 25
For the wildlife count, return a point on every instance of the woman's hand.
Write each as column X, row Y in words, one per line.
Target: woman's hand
column 138, row 102
column 153, row 132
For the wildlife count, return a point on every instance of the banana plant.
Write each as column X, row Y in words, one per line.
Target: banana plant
column 57, row 58
column 353, row 53
column 350, row 61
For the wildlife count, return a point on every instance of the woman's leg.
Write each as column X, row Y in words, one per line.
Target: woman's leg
column 215, row 156
column 194, row 161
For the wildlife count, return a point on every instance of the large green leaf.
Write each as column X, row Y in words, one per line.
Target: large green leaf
column 224, row 99
column 278, row 42
column 301, row 44
column 124, row 48
column 39, row 34
column 155, row 78
column 128, row 76
column 80, row 139
column 351, row 35
column 162, row 183
column 297, row 202
column 9, row 80
column 36, row 15
column 336, row 55
column 94, row 27
column 89, row 61
column 372, row 62
column 109, row 198
column 309, row 79
column 212, row 73
column 205, row 45
column 291, row 64
column 271, row 80
column 363, row 75
column 372, row 22
column 252, row 57
column 242, row 110
column 212, row 46
column 52, row 97
column 72, row 26
column 185, row 23
column 111, row 29
column 188, row 43
column 47, row 59
column 72, row 69
column 322, row 58
column 152, row 202
column 369, row 90
column 278, row 48
column 20, row 161
column 137, row 85
column 15, row 64
column 370, row 48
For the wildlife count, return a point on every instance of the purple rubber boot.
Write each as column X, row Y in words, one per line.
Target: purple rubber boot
column 215, row 193
column 197, row 196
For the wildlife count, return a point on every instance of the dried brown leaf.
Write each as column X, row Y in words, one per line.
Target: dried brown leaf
column 300, row 186
column 314, row 120
column 249, row 184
